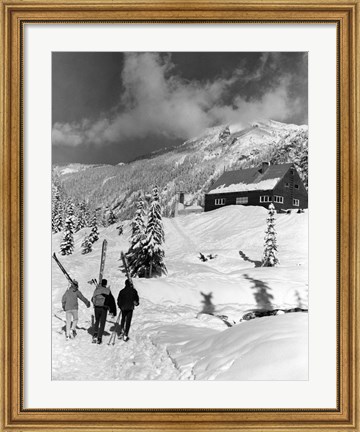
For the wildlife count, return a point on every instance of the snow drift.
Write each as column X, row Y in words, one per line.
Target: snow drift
column 176, row 332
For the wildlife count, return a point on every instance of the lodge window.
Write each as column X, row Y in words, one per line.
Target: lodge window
column 220, row 201
column 287, row 184
column 296, row 186
column 265, row 198
column 296, row 202
column 279, row 199
column 242, row 200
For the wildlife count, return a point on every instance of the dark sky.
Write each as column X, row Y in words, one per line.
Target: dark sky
column 112, row 107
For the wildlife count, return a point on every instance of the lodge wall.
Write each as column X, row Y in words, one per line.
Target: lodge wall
column 285, row 188
column 290, row 188
column 230, row 199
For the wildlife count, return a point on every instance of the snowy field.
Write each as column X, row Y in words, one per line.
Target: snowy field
column 175, row 333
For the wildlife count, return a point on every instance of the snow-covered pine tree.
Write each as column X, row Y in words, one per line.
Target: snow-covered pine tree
column 56, row 209
column 270, row 246
column 86, row 245
column 69, row 207
column 70, row 212
column 67, row 243
column 57, row 218
column 135, row 255
column 104, row 218
column 94, row 235
column 111, row 219
column 155, row 237
column 81, row 216
column 87, row 215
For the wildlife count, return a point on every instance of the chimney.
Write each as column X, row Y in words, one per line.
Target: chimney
column 264, row 167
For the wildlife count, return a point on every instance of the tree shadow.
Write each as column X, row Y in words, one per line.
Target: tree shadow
column 262, row 295
column 246, row 258
column 208, row 306
column 299, row 302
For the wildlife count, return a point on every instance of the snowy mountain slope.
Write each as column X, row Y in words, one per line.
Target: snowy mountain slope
column 191, row 167
column 71, row 168
column 171, row 338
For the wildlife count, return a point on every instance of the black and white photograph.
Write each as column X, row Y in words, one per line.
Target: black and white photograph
column 179, row 214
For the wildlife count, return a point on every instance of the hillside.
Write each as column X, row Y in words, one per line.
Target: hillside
column 191, row 167
column 170, row 338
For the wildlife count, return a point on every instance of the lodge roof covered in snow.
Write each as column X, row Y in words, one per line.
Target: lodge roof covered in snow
column 263, row 178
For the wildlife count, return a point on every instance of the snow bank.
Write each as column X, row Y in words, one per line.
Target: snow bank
column 270, row 348
column 173, row 337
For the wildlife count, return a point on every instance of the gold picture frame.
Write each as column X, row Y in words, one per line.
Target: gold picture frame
column 14, row 15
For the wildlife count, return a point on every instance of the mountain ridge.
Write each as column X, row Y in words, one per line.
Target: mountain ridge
column 190, row 167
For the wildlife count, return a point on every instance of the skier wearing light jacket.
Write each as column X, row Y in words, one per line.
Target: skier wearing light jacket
column 103, row 301
column 70, row 305
column 127, row 299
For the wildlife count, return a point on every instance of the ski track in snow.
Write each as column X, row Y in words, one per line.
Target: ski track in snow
column 137, row 359
column 187, row 244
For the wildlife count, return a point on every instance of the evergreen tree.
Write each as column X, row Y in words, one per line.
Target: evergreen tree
column 57, row 218
column 86, row 245
column 70, row 212
column 270, row 246
column 111, row 218
column 104, row 218
column 67, row 244
column 155, row 237
column 70, row 208
column 87, row 214
column 81, row 216
column 94, row 235
column 135, row 255
column 56, row 209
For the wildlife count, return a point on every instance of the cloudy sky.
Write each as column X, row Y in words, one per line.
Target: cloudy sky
column 113, row 107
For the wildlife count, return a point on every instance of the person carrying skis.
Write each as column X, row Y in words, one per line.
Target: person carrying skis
column 70, row 306
column 103, row 301
column 127, row 299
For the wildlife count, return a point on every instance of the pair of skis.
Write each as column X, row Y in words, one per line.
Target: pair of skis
column 62, row 268
column 112, row 339
column 102, row 265
column 94, row 281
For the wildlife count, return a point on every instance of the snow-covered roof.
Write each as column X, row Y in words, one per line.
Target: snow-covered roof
column 249, row 179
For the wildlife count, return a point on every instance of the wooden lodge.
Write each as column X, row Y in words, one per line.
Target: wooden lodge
column 279, row 184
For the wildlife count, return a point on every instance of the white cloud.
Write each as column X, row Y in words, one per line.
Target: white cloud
column 156, row 101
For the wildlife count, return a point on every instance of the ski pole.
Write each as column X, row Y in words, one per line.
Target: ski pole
column 113, row 334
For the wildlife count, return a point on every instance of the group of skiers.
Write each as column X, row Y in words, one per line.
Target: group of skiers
column 103, row 302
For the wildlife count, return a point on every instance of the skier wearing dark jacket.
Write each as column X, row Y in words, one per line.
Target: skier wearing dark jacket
column 128, row 298
column 103, row 301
